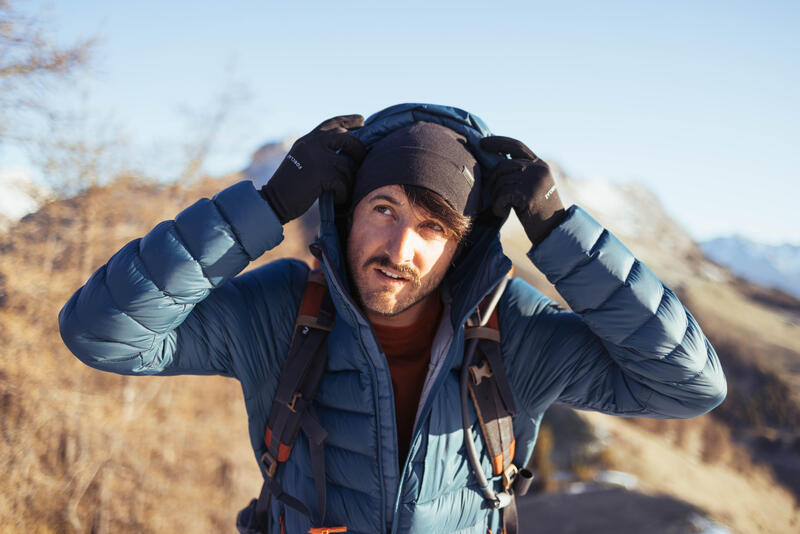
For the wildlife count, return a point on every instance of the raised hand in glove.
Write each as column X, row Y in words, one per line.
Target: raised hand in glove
column 325, row 159
column 524, row 182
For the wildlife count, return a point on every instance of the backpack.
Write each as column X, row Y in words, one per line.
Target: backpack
column 485, row 383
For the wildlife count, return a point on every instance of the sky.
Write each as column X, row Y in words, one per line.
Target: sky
column 696, row 100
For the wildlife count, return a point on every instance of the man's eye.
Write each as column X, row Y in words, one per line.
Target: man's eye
column 436, row 227
column 385, row 210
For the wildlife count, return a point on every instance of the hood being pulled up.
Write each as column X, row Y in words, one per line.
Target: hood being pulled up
column 482, row 263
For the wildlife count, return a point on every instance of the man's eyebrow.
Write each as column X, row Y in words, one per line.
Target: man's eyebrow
column 382, row 196
column 391, row 200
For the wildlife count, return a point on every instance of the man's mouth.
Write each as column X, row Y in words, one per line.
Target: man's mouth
column 390, row 276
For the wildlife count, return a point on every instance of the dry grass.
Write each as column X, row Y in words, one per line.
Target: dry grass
column 715, row 476
column 85, row 451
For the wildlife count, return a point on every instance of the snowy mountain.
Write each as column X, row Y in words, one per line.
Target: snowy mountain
column 769, row 265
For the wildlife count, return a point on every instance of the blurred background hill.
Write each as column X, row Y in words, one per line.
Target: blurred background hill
column 84, row 451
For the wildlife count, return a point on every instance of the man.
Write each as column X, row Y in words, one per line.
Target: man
column 411, row 205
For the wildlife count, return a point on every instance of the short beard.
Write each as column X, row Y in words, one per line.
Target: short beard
column 374, row 302
column 399, row 307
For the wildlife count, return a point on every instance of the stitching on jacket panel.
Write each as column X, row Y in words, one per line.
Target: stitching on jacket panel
column 120, row 309
column 597, row 407
column 653, row 315
column 679, row 345
column 87, row 330
column 232, row 228
column 620, row 286
column 601, row 240
column 182, row 240
column 589, row 255
column 149, row 276
column 706, row 359
column 170, row 328
column 330, row 483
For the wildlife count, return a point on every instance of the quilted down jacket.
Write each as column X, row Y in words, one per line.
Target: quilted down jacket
column 172, row 303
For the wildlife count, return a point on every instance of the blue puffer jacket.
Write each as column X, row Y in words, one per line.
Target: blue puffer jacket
column 171, row 303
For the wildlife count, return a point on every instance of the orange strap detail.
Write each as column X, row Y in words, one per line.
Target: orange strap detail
column 283, row 449
column 312, row 296
column 283, row 452
column 497, row 464
column 497, row 461
column 326, row 530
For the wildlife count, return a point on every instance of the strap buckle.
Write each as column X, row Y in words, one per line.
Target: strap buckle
column 292, row 402
column 326, row 530
column 479, row 373
column 509, row 475
column 270, row 463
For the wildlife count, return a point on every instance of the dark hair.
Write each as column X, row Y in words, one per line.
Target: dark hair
column 436, row 206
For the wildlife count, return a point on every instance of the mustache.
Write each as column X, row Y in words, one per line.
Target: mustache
column 409, row 273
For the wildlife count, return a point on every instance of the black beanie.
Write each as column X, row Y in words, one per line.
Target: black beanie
column 427, row 155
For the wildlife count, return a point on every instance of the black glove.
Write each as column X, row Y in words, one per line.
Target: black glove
column 325, row 159
column 524, row 182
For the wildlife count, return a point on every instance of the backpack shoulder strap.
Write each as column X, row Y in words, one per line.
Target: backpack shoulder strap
column 491, row 395
column 490, row 391
column 292, row 408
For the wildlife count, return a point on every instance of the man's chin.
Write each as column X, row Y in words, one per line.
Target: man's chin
column 386, row 307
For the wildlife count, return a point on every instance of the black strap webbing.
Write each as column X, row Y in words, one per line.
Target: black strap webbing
column 495, row 407
column 510, row 518
column 291, row 411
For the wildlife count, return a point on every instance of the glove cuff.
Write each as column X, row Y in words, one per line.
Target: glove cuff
column 539, row 225
column 268, row 194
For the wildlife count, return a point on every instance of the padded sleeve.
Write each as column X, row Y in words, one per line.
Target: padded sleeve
column 167, row 303
column 628, row 348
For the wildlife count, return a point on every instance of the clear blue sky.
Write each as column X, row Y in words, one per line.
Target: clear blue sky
column 697, row 100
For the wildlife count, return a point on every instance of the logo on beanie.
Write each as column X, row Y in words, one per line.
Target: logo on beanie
column 468, row 175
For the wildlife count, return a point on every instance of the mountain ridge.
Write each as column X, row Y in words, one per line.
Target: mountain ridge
column 775, row 266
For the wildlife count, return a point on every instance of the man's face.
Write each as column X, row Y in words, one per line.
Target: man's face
column 392, row 238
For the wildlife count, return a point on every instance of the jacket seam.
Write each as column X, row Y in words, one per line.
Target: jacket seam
column 121, row 310
column 588, row 256
column 624, row 283
column 653, row 315
column 149, row 275
column 228, row 222
column 182, row 240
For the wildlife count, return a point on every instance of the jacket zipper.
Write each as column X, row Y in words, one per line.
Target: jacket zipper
column 318, row 250
column 427, row 408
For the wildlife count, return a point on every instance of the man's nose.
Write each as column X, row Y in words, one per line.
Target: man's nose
column 402, row 246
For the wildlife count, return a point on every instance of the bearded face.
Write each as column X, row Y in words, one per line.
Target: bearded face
column 397, row 255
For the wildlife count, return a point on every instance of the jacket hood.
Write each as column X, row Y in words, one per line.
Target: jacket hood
column 482, row 263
